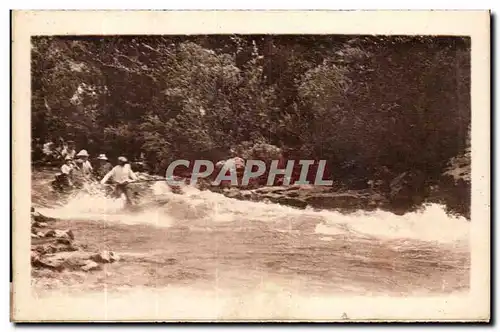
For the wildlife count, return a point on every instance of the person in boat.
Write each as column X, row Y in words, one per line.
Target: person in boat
column 86, row 167
column 63, row 179
column 77, row 174
column 67, row 170
column 69, row 149
column 51, row 156
column 104, row 166
column 121, row 175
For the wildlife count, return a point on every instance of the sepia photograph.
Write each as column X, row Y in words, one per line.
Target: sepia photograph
column 260, row 175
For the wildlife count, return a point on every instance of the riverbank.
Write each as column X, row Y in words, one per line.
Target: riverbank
column 201, row 238
column 292, row 253
column 452, row 195
column 302, row 196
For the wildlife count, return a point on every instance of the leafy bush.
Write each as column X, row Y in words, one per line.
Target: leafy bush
column 363, row 103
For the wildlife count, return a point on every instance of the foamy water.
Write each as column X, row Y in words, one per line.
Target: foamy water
column 197, row 209
column 292, row 290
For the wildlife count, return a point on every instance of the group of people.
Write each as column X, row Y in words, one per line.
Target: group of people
column 50, row 152
column 78, row 170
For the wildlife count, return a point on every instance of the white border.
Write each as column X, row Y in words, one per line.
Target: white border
column 456, row 28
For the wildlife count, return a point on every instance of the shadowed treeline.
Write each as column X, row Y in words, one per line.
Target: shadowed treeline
column 373, row 107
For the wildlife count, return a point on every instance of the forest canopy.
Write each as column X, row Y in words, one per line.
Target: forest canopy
column 359, row 102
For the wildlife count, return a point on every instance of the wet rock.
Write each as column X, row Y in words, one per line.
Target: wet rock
column 90, row 266
column 303, row 187
column 61, row 254
column 37, row 262
column 233, row 193
column 38, row 217
column 114, row 257
column 58, row 245
column 54, row 249
column 293, row 194
column 63, row 241
column 271, row 190
column 34, row 256
column 284, row 200
column 105, row 257
column 66, row 234
column 320, row 197
column 64, row 260
column 247, row 194
column 170, row 261
column 42, row 239
column 337, row 200
column 177, row 190
column 40, row 224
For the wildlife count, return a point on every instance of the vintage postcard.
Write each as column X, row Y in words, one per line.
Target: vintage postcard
column 191, row 166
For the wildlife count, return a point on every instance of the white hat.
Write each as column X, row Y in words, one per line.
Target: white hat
column 82, row 153
column 102, row 156
column 121, row 158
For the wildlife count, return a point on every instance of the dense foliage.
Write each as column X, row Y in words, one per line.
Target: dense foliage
column 372, row 106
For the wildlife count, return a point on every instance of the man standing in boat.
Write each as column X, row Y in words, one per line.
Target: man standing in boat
column 85, row 165
column 121, row 175
column 63, row 180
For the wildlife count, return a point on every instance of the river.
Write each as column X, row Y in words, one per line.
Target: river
column 204, row 247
